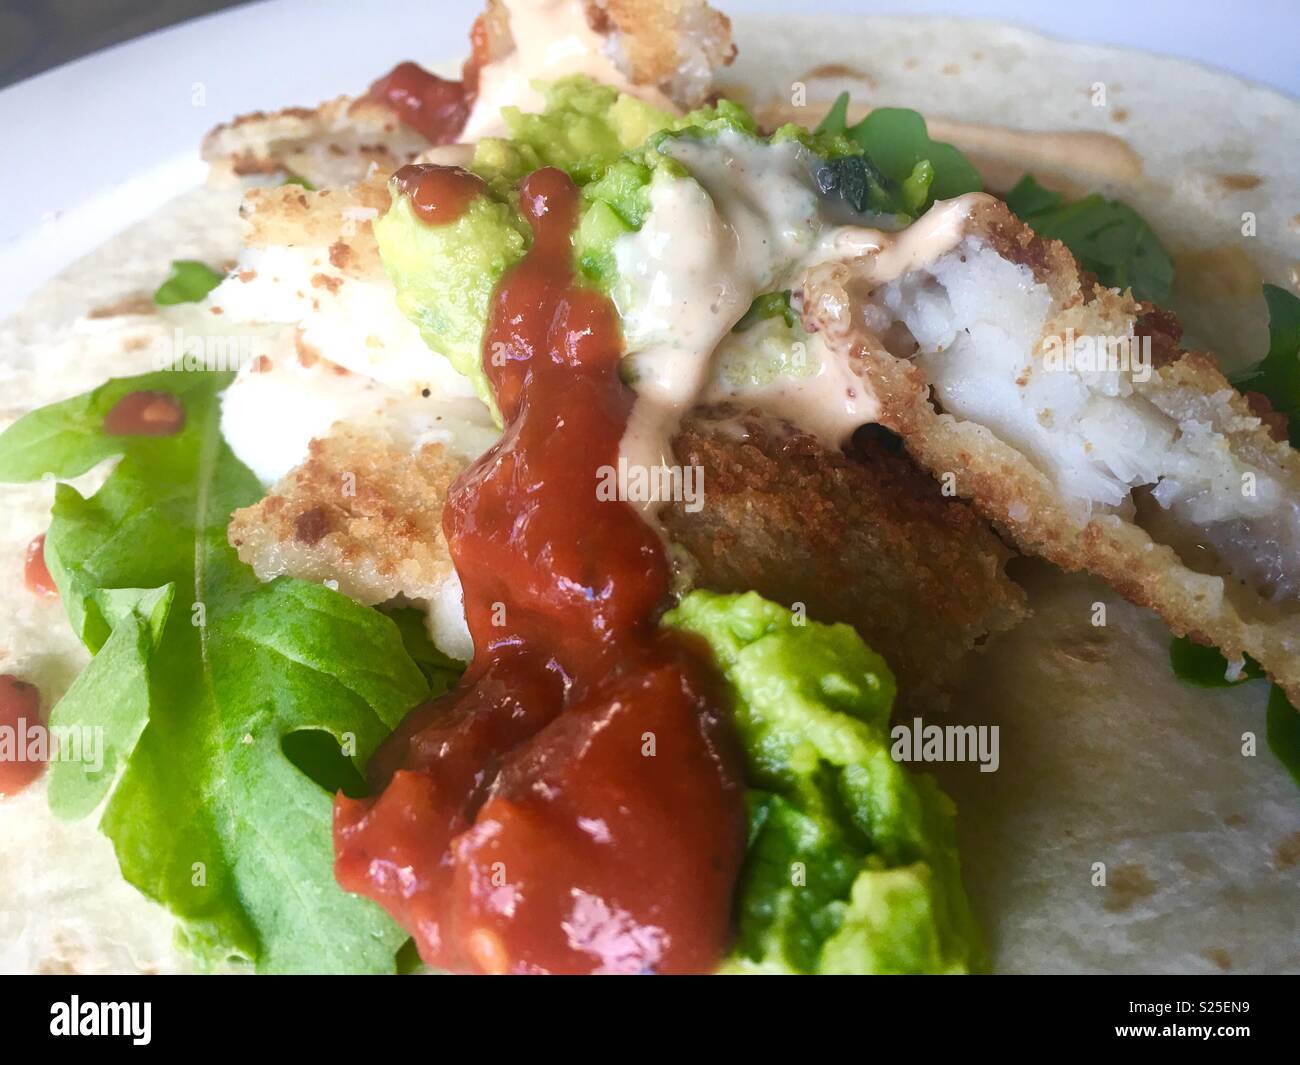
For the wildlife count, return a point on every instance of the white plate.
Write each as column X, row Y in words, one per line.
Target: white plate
column 95, row 145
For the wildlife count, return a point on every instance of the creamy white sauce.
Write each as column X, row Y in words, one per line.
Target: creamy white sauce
column 707, row 248
column 552, row 40
column 879, row 257
column 829, row 402
column 750, row 222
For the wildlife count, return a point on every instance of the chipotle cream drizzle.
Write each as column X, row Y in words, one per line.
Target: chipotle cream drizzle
column 990, row 148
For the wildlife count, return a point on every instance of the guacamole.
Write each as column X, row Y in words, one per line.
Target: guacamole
column 852, row 863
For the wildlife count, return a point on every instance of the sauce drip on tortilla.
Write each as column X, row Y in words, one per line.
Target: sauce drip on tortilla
column 574, row 805
column 36, row 574
column 436, row 108
column 145, row 414
column 23, row 750
column 438, row 194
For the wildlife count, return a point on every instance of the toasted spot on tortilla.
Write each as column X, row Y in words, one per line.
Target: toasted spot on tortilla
column 838, row 70
column 1216, row 273
column 1240, row 182
column 1128, row 884
column 1219, row 957
column 136, row 304
column 1288, row 852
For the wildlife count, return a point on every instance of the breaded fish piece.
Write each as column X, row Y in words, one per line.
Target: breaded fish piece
column 668, row 48
column 1069, row 416
column 364, row 510
column 861, row 536
column 338, row 219
column 336, row 143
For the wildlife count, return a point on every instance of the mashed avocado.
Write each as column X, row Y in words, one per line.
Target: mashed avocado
column 612, row 146
column 583, row 129
column 445, row 275
column 852, row 863
column 767, row 344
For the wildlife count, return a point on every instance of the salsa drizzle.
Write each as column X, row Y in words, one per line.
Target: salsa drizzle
column 574, row 804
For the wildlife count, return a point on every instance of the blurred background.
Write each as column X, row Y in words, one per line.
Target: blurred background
column 1256, row 39
column 38, row 34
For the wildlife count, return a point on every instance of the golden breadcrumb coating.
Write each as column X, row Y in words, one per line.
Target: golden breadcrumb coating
column 337, row 218
column 863, row 537
column 362, row 511
column 670, row 45
column 336, row 143
column 1201, row 580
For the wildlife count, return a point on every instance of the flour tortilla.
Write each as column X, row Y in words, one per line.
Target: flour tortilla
column 1105, row 757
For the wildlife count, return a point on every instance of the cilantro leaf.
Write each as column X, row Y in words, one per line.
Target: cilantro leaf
column 1277, row 375
column 188, row 282
column 203, row 680
column 1109, row 238
column 896, row 140
column 1204, row 667
column 1283, row 725
column 899, row 170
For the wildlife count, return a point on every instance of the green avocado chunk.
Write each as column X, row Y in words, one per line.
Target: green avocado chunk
column 852, row 862
column 445, row 275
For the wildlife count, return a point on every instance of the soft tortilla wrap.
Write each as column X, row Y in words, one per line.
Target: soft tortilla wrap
column 1104, row 756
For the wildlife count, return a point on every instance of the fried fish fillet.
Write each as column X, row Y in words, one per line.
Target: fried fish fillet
column 667, row 49
column 861, row 536
column 364, row 510
column 1069, row 416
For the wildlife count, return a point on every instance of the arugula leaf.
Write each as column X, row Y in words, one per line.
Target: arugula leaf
column 1108, row 238
column 188, row 282
column 441, row 670
column 1030, row 198
column 201, row 675
column 298, row 179
column 1205, row 667
column 1277, row 375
